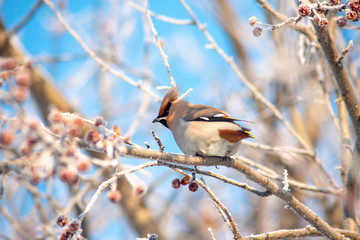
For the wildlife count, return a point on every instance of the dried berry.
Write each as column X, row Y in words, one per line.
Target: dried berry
column 34, row 124
column 185, row 180
column 83, row 164
column 176, row 183
column 323, row 22
column 341, row 21
column 71, row 150
column 23, row 78
column 68, row 175
column 8, row 64
column 56, row 129
column 73, row 132
column 139, row 190
column 74, row 226
column 66, row 235
column 193, row 186
column 257, row 31
column 114, row 196
column 3, row 75
column 55, row 116
column 354, row 5
column 93, row 137
column 99, row 121
column 252, row 21
column 62, row 221
column 35, row 178
column 352, row 15
column 6, row 137
column 304, row 10
column 25, row 148
column 77, row 122
column 19, row 94
column 334, row 2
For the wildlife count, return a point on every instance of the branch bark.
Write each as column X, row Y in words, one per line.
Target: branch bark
column 342, row 78
column 301, row 210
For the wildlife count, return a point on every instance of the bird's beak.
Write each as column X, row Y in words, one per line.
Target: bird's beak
column 157, row 119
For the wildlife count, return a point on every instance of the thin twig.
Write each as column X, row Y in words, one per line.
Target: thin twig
column 158, row 43
column 297, row 233
column 344, row 52
column 108, row 182
column 98, row 60
column 26, row 18
column 159, row 16
column 158, row 141
column 289, row 150
column 217, row 201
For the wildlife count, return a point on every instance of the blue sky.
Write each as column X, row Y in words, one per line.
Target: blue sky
column 191, row 64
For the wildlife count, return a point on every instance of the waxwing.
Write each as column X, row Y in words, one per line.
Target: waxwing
column 199, row 129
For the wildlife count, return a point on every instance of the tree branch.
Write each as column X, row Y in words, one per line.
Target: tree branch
column 301, row 210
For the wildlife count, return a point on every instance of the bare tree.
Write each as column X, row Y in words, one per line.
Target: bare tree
column 79, row 151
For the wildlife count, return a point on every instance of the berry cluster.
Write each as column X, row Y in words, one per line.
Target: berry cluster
column 317, row 12
column 352, row 12
column 193, row 186
column 11, row 69
column 71, row 230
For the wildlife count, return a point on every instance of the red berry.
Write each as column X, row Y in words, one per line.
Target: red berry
column 35, row 178
column 257, row 31
column 352, row 15
column 6, row 137
column 193, row 186
column 55, row 116
column 25, row 148
column 77, row 122
column 68, row 175
column 71, row 151
column 93, row 137
column 56, row 129
column 8, row 64
column 114, row 196
column 74, row 226
column 3, row 75
column 176, row 183
column 139, row 189
column 62, row 221
column 323, row 22
column 341, row 22
column 65, row 235
column 185, row 180
column 73, row 132
column 304, row 10
column 34, row 124
column 99, row 121
column 19, row 94
column 354, row 5
column 334, row 2
column 83, row 164
column 23, row 78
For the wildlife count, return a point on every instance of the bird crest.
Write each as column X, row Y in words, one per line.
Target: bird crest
column 171, row 95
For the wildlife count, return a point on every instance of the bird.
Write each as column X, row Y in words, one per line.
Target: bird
column 200, row 130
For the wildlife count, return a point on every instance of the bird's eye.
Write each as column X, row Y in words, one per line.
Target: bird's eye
column 167, row 109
